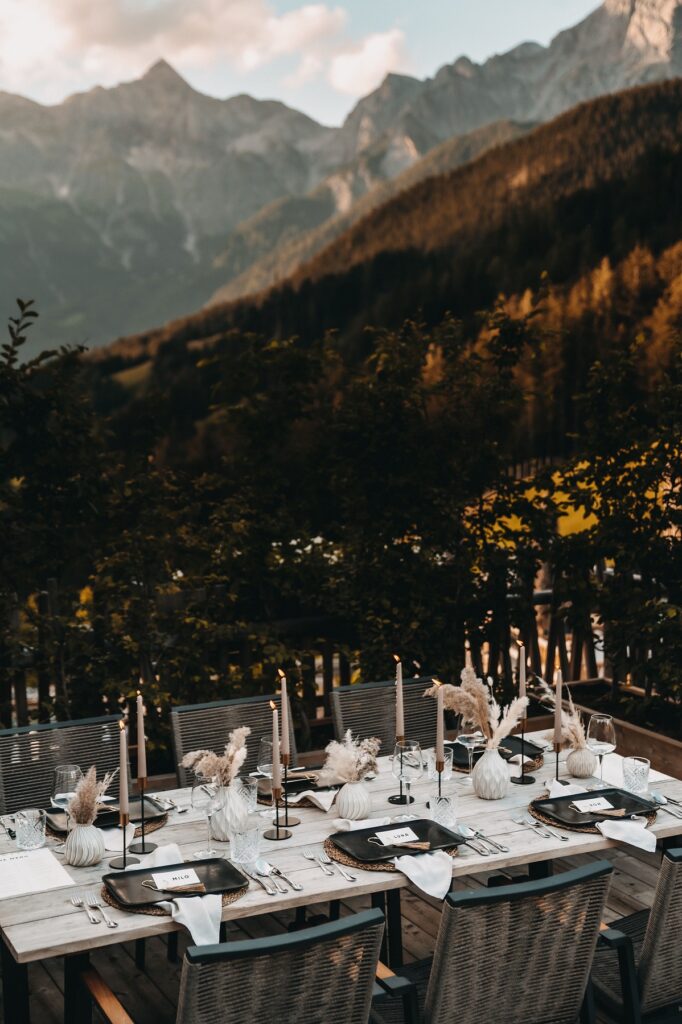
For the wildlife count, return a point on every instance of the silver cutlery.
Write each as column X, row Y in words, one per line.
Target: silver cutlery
column 265, row 871
column 662, row 803
column 545, row 829
column 531, row 824
column 256, row 878
column 311, row 855
column 482, row 851
column 483, row 838
column 78, row 902
column 326, row 859
column 294, row 885
column 94, row 902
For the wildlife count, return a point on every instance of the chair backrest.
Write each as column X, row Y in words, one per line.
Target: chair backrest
column 660, row 963
column 318, row 974
column 207, row 727
column 521, row 954
column 368, row 709
column 29, row 754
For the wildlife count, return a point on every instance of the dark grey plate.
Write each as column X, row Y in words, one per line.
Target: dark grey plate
column 559, row 809
column 217, row 874
column 109, row 816
column 510, row 746
column 356, row 844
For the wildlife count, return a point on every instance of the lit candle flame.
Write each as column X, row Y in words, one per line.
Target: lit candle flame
column 397, row 658
column 273, row 705
column 281, row 673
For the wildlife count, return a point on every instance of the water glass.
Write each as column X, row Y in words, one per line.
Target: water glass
column 601, row 739
column 29, row 825
column 444, row 810
column 248, row 789
column 446, row 774
column 245, row 846
column 636, row 774
column 407, row 764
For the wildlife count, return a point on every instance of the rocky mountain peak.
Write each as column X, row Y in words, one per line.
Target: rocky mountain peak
column 162, row 75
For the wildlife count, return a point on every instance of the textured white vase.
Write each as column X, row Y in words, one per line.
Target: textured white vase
column 84, row 846
column 581, row 763
column 231, row 815
column 353, row 801
column 490, row 776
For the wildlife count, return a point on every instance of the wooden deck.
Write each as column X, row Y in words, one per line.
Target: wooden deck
column 150, row 995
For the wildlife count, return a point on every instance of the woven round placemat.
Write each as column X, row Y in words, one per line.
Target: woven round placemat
column 350, row 862
column 545, row 820
column 149, row 827
column 156, row 911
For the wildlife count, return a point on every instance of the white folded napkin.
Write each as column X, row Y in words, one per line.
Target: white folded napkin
column 347, row 825
column 632, row 831
column 200, row 915
column 516, row 759
column 430, row 872
column 113, row 838
column 321, row 798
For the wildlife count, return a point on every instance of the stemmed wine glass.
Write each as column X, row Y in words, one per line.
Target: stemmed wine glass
column 66, row 779
column 205, row 799
column 470, row 740
column 407, row 764
column 601, row 739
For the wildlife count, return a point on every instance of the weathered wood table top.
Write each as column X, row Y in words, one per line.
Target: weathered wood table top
column 45, row 925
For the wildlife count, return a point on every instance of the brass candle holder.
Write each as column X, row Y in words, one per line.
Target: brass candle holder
column 279, row 832
column 121, row 863
column 143, row 846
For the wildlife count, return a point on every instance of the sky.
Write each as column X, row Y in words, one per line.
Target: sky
column 319, row 57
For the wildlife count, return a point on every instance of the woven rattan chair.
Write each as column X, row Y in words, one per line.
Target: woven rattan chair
column 29, row 754
column 519, row 954
column 368, row 709
column 637, row 970
column 207, row 726
column 321, row 975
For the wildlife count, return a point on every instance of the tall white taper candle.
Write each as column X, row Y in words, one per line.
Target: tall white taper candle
column 399, row 707
column 124, row 806
column 285, row 713
column 141, row 742
column 557, row 709
column 276, row 763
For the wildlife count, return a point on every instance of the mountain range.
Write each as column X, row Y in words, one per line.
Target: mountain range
column 122, row 208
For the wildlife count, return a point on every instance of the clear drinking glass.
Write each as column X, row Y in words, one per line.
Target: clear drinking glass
column 431, row 770
column 407, row 763
column 245, row 846
column 636, row 774
column 470, row 740
column 444, row 810
column 29, row 825
column 205, row 799
column 601, row 738
column 248, row 789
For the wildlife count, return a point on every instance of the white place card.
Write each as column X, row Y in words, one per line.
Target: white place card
column 28, row 871
column 397, row 835
column 171, row 879
column 597, row 803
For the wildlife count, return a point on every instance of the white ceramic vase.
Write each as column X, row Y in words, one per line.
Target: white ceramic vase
column 231, row 815
column 353, row 801
column 84, row 846
column 491, row 775
column 581, row 763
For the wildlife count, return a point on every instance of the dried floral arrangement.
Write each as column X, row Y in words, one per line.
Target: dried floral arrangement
column 349, row 761
column 572, row 728
column 476, row 704
column 221, row 768
column 82, row 807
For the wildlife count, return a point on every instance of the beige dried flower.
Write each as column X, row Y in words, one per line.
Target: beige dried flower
column 221, row 768
column 476, row 704
column 572, row 728
column 82, row 807
column 350, row 760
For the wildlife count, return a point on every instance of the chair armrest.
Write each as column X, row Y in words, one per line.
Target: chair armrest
column 104, row 998
column 612, row 938
column 621, row 944
column 395, row 986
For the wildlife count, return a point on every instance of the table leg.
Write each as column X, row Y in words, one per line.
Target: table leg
column 77, row 1001
column 14, row 988
column 540, row 869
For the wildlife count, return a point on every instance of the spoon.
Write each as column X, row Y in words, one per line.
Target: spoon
column 472, row 833
column 265, row 870
column 481, row 850
column 662, row 802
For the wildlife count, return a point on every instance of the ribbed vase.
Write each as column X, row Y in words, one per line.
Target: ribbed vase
column 490, row 776
column 84, row 846
column 581, row 763
column 353, row 801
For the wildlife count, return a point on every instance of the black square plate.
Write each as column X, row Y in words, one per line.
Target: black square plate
column 295, row 785
column 560, row 811
column 510, row 746
column 217, row 874
column 109, row 815
column 356, row 844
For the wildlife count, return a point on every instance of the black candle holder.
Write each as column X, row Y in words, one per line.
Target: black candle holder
column 277, row 833
column 557, row 748
column 143, row 846
column 523, row 779
column 121, row 863
column 400, row 797
column 289, row 820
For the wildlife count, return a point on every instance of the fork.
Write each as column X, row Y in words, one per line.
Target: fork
column 544, row 830
column 326, row 859
column 93, row 901
column 252, row 874
column 78, row 902
column 311, row 855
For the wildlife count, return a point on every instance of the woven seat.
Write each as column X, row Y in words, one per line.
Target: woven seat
column 207, row 727
column 368, row 709
column 518, row 954
column 321, row 975
column 29, row 755
column 639, row 975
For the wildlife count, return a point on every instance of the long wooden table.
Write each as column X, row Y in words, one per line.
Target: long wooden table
column 43, row 925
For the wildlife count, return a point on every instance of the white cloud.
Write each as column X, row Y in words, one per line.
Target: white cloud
column 357, row 71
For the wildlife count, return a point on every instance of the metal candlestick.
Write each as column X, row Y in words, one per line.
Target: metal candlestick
column 288, row 820
column 277, row 833
column 143, row 846
column 121, row 863
column 523, row 779
column 440, row 766
column 400, row 797
column 557, row 748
